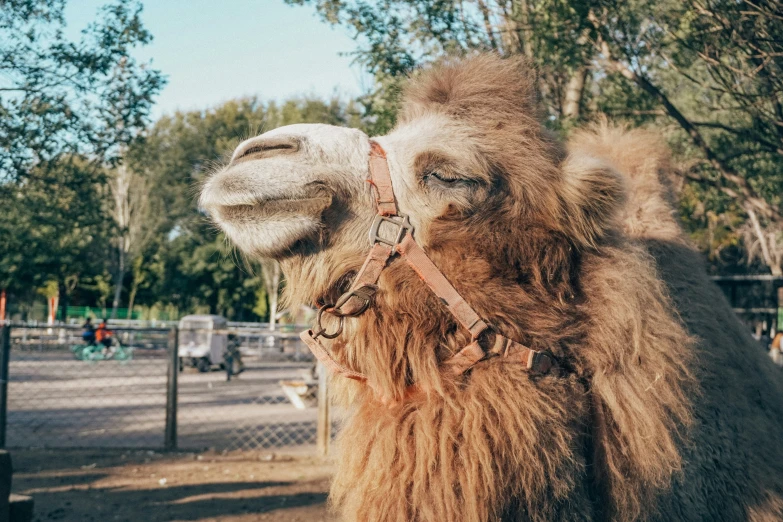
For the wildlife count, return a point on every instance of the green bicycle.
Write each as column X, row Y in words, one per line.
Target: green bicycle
column 98, row 352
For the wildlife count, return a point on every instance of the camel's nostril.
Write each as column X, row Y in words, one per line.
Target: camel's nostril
column 266, row 147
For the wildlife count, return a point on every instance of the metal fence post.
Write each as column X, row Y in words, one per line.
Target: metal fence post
column 5, row 354
column 324, row 424
column 170, row 439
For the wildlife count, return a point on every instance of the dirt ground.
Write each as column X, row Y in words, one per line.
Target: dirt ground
column 148, row 486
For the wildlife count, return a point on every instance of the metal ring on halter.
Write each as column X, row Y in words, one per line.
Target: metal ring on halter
column 321, row 332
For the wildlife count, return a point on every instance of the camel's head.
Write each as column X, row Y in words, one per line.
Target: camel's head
column 469, row 161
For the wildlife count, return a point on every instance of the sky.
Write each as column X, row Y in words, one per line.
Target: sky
column 216, row 50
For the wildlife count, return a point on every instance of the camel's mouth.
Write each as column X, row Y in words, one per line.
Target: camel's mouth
column 271, row 226
column 272, row 208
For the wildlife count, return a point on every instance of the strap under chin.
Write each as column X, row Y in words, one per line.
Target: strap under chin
column 325, row 358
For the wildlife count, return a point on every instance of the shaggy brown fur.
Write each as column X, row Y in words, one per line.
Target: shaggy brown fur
column 666, row 410
column 732, row 461
column 556, row 278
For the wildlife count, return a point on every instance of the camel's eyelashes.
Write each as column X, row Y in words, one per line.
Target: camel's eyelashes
column 437, row 170
column 446, row 180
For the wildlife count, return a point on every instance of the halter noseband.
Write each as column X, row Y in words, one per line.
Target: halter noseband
column 360, row 294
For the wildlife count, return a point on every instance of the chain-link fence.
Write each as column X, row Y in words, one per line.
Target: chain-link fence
column 202, row 387
column 270, row 404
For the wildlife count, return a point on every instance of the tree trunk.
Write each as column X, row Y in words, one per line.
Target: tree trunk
column 779, row 325
column 119, row 276
column 273, row 294
column 524, row 13
column 487, row 24
column 271, row 276
column 131, row 298
column 117, row 293
column 572, row 101
column 63, row 297
column 272, row 312
column 512, row 35
column 766, row 244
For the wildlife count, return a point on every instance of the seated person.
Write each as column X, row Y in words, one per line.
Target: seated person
column 88, row 334
column 103, row 335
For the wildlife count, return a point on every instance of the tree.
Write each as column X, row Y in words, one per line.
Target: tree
column 716, row 70
column 398, row 35
column 200, row 274
column 134, row 222
column 138, row 279
column 55, row 94
column 67, row 108
column 272, row 275
column 53, row 228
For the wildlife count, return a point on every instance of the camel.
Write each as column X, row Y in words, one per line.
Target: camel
column 656, row 405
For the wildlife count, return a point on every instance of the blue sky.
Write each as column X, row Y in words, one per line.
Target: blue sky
column 216, row 50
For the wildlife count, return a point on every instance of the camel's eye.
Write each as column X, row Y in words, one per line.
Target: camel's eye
column 438, row 171
column 446, row 179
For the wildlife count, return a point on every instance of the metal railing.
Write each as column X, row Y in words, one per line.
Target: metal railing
column 57, row 392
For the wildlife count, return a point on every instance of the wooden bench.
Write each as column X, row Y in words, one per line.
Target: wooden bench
column 13, row 508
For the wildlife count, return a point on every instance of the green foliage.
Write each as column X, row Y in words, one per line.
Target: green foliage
column 711, row 221
column 58, row 96
column 715, row 70
column 100, row 286
column 49, row 289
column 709, row 76
column 67, row 110
column 199, row 271
column 58, row 224
column 53, row 226
column 396, row 36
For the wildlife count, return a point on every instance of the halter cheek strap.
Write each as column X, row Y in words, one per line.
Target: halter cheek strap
column 359, row 296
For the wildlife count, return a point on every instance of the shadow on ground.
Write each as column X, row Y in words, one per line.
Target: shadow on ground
column 148, row 486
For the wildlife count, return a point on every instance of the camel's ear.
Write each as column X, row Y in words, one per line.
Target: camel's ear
column 591, row 196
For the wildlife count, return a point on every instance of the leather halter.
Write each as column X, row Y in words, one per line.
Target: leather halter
column 360, row 294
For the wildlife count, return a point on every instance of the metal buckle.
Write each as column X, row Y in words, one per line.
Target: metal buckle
column 402, row 221
column 365, row 293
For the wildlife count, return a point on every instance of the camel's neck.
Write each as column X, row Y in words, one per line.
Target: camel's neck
column 500, row 446
column 408, row 332
column 468, row 448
